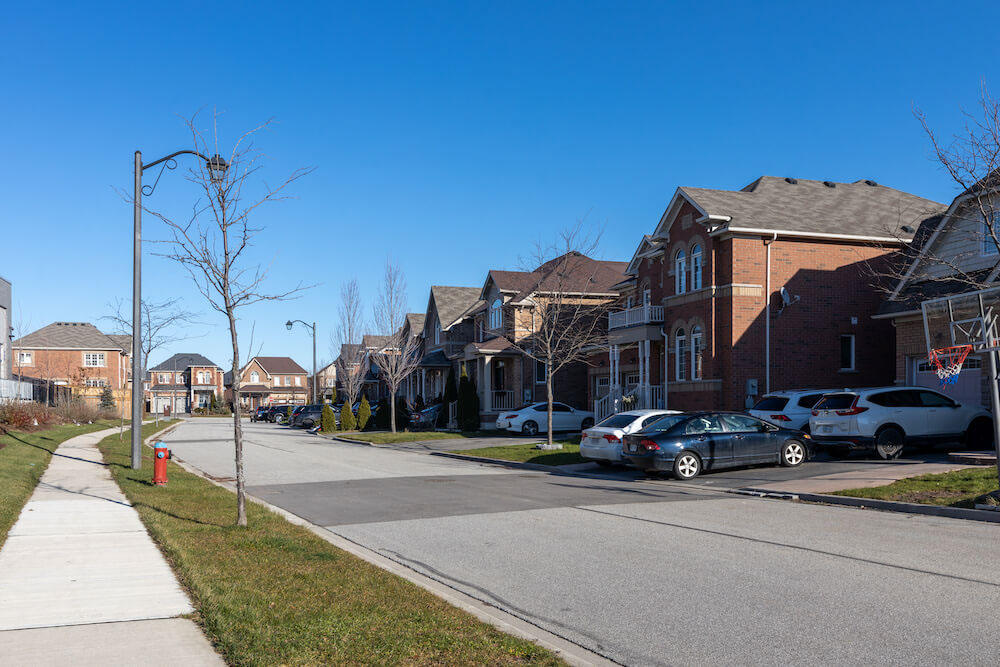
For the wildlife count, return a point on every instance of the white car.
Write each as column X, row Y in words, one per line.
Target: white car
column 789, row 409
column 603, row 443
column 532, row 418
column 887, row 418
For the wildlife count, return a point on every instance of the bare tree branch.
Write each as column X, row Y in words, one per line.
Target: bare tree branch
column 350, row 329
column 399, row 354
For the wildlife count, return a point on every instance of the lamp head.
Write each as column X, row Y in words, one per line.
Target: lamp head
column 288, row 325
column 217, row 168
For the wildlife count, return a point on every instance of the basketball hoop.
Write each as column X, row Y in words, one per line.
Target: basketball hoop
column 948, row 362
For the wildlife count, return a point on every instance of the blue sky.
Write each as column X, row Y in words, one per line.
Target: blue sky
column 449, row 136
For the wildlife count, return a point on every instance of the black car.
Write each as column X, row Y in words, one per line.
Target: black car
column 259, row 414
column 688, row 443
column 277, row 414
column 308, row 416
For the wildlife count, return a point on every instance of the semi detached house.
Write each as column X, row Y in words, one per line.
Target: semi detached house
column 736, row 293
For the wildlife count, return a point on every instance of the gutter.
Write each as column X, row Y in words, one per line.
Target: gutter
column 815, row 235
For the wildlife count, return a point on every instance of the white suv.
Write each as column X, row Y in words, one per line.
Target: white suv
column 788, row 409
column 886, row 418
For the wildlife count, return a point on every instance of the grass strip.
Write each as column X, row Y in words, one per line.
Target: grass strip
column 23, row 459
column 958, row 488
column 386, row 437
column 276, row 594
column 570, row 453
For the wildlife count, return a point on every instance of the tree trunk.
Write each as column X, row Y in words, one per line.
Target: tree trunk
column 241, row 494
column 549, row 444
column 392, row 410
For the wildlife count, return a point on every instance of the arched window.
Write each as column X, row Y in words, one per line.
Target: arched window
column 697, row 347
column 496, row 314
column 696, row 267
column 254, row 377
column 680, row 272
column 680, row 356
column 437, row 332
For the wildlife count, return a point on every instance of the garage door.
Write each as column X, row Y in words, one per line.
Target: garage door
column 967, row 390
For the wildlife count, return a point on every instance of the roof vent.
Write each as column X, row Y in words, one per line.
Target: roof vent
column 793, row 181
column 871, row 183
column 829, row 184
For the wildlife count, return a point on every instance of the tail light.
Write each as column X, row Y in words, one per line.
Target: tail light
column 815, row 413
column 612, row 438
column 648, row 445
column 510, row 416
column 853, row 410
column 781, row 418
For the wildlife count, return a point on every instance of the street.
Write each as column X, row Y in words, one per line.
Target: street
column 642, row 571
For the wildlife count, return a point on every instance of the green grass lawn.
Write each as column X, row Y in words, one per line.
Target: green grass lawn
column 570, row 453
column 959, row 488
column 23, row 459
column 276, row 594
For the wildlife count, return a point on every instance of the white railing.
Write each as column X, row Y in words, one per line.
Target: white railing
column 503, row 400
column 635, row 397
column 639, row 315
column 13, row 390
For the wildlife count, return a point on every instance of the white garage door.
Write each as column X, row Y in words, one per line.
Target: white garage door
column 967, row 390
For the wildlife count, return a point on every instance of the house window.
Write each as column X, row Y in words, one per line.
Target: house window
column 479, row 331
column 180, row 378
column 255, row 377
column 24, row 358
column 94, row 360
column 631, row 380
column 161, row 379
column 496, row 314
column 647, row 296
column 288, row 381
column 680, row 355
column 697, row 347
column 437, row 332
column 629, row 302
column 95, row 382
column 696, row 267
column 540, row 373
column 298, row 381
column 680, row 272
column 988, row 229
column 277, row 380
column 847, row 352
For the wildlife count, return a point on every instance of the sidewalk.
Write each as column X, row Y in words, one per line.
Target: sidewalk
column 81, row 581
column 876, row 475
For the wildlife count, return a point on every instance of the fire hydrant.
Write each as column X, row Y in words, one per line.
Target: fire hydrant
column 160, row 457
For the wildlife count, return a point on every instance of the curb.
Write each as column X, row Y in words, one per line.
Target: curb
column 502, row 462
column 883, row 505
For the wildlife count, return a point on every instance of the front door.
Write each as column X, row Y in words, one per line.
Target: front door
column 708, row 438
column 752, row 441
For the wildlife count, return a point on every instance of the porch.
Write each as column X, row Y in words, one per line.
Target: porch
column 639, row 388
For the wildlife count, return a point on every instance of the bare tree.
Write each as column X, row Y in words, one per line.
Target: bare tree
column 397, row 356
column 20, row 329
column 350, row 329
column 212, row 246
column 569, row 305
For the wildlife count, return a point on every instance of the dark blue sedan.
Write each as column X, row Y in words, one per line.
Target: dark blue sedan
column 688, row 443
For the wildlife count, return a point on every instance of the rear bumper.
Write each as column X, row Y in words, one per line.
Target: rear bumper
column 641, row 462
column 612, row 453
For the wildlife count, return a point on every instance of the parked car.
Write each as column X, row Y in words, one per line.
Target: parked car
column 603, row 443
column 788, row 409
column 259, row 414
column 685, row 444
column 307, row 416
column 532, row 418
column 277, row 414
column 886, row 419
column 426, row 419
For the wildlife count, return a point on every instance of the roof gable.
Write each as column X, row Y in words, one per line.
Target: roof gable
column 452, row 303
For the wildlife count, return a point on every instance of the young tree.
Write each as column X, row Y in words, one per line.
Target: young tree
column 347, row 422
column 399, row 355
column 350, row 328
column 468, row 404
column 364, row 413
column 107, row 399
column 570, row 302
column 213, row 244
column 328, row 420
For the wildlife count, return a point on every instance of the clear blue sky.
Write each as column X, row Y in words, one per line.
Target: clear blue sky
column 449, row 136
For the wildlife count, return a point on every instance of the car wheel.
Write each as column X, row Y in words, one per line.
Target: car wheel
column 587, row 423
column 278, row 419
column 529, row 428
column 793, row 453
column 889, row 443
column 308, row 423
column 687, row 465
column 980, row 434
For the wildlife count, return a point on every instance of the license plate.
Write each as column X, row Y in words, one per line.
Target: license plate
column 633, row 447
column 827, row 429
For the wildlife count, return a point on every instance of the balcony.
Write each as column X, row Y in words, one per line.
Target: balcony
column 648, row 314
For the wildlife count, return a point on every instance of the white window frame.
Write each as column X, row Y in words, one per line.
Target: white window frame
column 680, row 272
column 25, row 358
column 854, row 352
column 632, row 380
column 95, row 360
column 298, row 380
column 680, row 355
column 988, row 247
column 496, row 314
column 697, row 352
column 277, row 380
column 437, row 332
column 95, row 382
column 696, row 254
column 629, row 301
column 254, row 377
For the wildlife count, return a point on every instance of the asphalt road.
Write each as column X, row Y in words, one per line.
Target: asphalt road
column 644, row 572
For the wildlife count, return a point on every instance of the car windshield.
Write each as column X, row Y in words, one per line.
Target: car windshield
column 666, row 423
column 771, row 403
column 620, row 420
column 836, row 402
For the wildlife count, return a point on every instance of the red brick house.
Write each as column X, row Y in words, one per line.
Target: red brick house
column 737, row 293
column 182, row 383
column 270, row 381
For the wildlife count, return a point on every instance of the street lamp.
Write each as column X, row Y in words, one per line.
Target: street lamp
column 216, row 172
column 288, row 325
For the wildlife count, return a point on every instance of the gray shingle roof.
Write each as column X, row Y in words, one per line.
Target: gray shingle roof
column 851, row 209
column 183, row 360
column 453, row 302
column 280, row 365
column 72, row 336
column 416, row 323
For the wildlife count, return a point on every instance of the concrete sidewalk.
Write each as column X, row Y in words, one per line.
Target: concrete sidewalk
column 876, row 475
column 79, row 570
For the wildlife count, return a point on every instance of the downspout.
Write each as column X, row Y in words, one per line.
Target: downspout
column 767, row 313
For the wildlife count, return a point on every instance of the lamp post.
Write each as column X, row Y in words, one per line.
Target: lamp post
column 288, row 325
column 217, row 171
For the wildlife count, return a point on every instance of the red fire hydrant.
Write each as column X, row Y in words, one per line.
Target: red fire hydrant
column 160, row 457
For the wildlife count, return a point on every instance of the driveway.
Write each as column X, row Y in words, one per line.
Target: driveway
column 643, row 572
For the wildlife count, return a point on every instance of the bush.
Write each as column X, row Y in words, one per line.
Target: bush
column 468, row 404
column 347, row 422
column 328, row 420
column 288, row 414
column 107, row 399
column 450, row 390
column 22, row 416
column 79, row 411
column 383, row 415
column 364, row 413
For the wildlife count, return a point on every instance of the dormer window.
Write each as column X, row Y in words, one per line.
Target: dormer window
column 496, row 314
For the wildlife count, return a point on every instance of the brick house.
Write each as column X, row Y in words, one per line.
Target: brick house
column 737, row 293
column 446, row 327
column 956, row 254
column 327, row 379
column 79, row 356
column 182, row 383
column 271, row 381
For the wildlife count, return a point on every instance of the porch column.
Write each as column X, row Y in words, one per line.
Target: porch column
column 645, row 366
column 487, row 386
column 666, row 368
column 423, row 383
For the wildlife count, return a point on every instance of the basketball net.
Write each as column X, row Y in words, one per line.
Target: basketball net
column 948, row 362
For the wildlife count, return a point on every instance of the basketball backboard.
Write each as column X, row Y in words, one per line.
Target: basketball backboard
column 963, row 319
